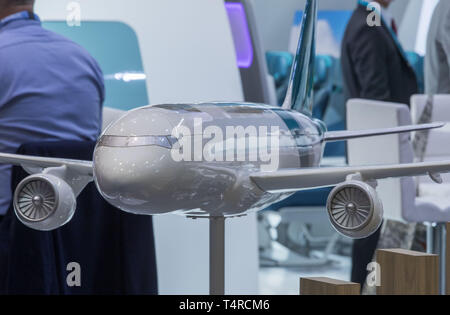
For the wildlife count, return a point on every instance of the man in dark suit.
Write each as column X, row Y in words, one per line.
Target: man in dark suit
column 374, row 67
column 374, row 64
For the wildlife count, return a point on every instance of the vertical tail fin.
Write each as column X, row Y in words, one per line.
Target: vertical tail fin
column 300, row 92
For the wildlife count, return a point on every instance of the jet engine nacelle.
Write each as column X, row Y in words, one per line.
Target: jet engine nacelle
column 44, row 202
column 355, row 209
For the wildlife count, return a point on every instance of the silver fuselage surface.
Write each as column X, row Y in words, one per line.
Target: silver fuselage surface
column 196, row 159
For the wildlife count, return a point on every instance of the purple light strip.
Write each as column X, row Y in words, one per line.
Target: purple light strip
column 241, row 34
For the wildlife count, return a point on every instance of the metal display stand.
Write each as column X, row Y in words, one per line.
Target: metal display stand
column 217, row 256
column 436, row 244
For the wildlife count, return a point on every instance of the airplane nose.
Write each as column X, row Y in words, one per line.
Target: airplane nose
column 132, row 160
column 134, row 178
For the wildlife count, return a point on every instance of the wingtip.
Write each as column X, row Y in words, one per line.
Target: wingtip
column 433, row 125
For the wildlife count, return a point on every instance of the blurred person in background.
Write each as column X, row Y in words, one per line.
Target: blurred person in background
column 374, row 63
column 375, row 67
column 50, row 87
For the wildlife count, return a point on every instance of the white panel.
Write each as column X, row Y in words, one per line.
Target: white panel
column 241, row 256
column 186, row 46
column 188, row 56
column 183, row 249
column 413, row 30
column 424, row 25
column 365, row 114
column 182, row 255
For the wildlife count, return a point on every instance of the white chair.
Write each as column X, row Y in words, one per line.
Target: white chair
column 435, row 149
column 398, row 195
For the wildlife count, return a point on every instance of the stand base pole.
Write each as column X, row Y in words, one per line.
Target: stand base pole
column 440, row 246
column 437, row 244
column 217, row 256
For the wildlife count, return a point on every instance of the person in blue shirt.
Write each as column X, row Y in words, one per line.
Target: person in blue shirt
column 50, row 87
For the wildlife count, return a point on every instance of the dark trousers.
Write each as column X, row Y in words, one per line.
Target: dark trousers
column 115, row 250
column 362, row 255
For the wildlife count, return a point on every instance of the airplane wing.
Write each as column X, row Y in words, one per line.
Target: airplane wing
column 300, row 179
column 34, row 162
column 350, row 134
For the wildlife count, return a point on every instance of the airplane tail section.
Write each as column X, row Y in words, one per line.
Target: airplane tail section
column 300, row 92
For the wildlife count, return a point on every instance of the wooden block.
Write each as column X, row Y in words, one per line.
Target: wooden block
column 327, row 286
column 407, row 272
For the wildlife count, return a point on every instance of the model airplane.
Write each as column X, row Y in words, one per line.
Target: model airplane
column 216, row 160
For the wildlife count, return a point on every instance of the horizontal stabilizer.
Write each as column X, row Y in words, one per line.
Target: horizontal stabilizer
column 354, row 134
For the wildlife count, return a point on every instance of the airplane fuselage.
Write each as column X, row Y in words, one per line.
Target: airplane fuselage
column 197, row 159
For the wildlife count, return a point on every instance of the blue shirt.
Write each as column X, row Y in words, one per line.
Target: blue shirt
column 50, row 89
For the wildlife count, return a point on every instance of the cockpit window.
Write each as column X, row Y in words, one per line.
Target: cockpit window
column 179, row 108
column 140, row 141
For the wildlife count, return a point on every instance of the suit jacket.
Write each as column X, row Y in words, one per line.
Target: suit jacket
column 437, row 59
column 373, row 65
